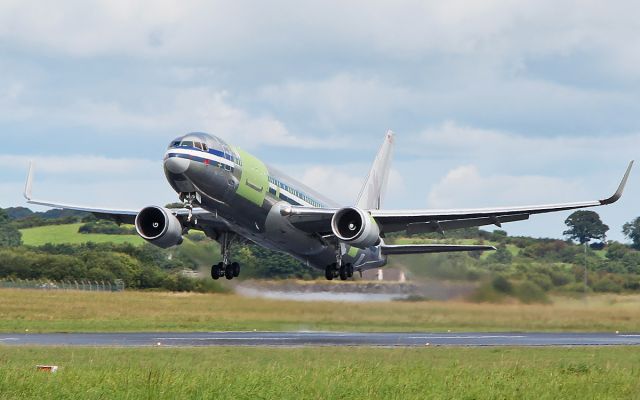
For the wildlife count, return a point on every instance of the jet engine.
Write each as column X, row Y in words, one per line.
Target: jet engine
column 159, row 226
column 355, row 227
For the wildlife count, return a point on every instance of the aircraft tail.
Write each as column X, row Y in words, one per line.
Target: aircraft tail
column 373, row 190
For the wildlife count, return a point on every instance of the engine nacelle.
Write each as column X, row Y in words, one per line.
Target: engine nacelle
column 355, row 227
column 159, row 226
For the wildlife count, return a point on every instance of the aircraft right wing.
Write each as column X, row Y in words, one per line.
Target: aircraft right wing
column 206, row 221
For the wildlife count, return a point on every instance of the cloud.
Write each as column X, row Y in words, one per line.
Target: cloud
column 408, row 30
column 186, row 110
column 596, row 154
column 342, row 183
column 465, row 186
column 85, row 165
column 340, row 98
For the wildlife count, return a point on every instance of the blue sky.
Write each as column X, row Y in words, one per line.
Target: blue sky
column 494, row 103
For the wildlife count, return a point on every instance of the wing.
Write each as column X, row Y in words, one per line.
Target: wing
column 425, row 221
column 206, row 221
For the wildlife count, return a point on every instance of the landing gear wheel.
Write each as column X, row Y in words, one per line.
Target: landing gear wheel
column 349, row 270
column 343, row 273
column 216, row 271
column 328, row 272
column 228, row 272
column 235, row 267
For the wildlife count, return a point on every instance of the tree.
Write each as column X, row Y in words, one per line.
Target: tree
column 9, row 235
column 502, row 255
column 632, row 231
column 584, row 226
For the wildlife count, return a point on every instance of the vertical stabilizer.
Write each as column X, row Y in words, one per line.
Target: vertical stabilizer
column 373, row 190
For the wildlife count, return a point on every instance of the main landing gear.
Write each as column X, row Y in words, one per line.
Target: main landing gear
column 229, row 271
column 338, row 268
column 332, row 271
column 225, row 268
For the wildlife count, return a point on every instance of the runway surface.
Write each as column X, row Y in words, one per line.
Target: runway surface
column 292, row 339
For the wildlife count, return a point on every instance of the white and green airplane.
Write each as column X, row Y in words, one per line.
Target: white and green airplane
column 233, row 197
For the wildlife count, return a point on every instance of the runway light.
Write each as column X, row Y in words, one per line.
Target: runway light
column 617, row 332
column 427, row 344
column 47, row 368
column 159, row 344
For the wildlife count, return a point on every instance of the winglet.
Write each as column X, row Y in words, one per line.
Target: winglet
column 616, row 196
column 29, row 184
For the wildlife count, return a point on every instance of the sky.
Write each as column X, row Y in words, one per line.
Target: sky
column 494, row 103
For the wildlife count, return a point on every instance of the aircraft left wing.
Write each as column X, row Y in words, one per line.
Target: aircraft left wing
column 426, row 221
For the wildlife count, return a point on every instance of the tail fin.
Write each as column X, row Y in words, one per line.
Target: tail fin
column 373, row 190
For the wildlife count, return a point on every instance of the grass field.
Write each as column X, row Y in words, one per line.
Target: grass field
column 321, row 373
column 59, row 311
column 59, row 234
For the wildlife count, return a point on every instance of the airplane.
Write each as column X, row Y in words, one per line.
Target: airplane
column 233, row 197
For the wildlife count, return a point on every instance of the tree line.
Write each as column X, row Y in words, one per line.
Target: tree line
column 531, row 267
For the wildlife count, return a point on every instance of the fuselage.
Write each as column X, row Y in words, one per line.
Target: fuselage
column 248, row 195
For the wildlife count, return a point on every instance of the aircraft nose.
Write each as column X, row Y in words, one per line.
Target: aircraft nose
column 176, row 165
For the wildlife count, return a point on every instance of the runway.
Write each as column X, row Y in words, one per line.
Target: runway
column 294, row 339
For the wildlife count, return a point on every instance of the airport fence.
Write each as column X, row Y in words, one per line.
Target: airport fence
column 87, row 285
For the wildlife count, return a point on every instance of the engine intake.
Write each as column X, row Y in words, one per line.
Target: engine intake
column 355, row 227
column 159, row 226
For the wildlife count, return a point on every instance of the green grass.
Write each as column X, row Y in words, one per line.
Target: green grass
column 60, row 234
column 59, row 311
column 321, row 373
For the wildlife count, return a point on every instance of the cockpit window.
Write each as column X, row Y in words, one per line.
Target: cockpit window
column 197, row 145
column 204, row 147
column 186, row 143
column 175, row 144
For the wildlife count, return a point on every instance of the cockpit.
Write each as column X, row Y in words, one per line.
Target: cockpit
column 189, row 144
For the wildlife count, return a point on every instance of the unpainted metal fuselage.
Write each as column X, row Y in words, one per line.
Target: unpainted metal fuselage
column 248, row 195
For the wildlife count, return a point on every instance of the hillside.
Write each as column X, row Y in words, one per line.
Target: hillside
column 68, row 234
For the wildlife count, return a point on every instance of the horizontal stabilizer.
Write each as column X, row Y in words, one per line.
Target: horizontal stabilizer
column 430, row 248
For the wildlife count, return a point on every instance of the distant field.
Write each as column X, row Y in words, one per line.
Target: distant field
column 58, row 311
column 59, row 234
column 321, row 373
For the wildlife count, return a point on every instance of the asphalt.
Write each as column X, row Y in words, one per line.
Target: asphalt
column 292, row 339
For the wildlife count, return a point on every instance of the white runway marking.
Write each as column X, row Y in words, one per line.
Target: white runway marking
column 470, row 337
column 231, row 338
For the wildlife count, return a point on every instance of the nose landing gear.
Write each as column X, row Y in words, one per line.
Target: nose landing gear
column 189, row 200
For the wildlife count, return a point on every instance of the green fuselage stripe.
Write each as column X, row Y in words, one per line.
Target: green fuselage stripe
column 353, row 252
column 254, row 181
